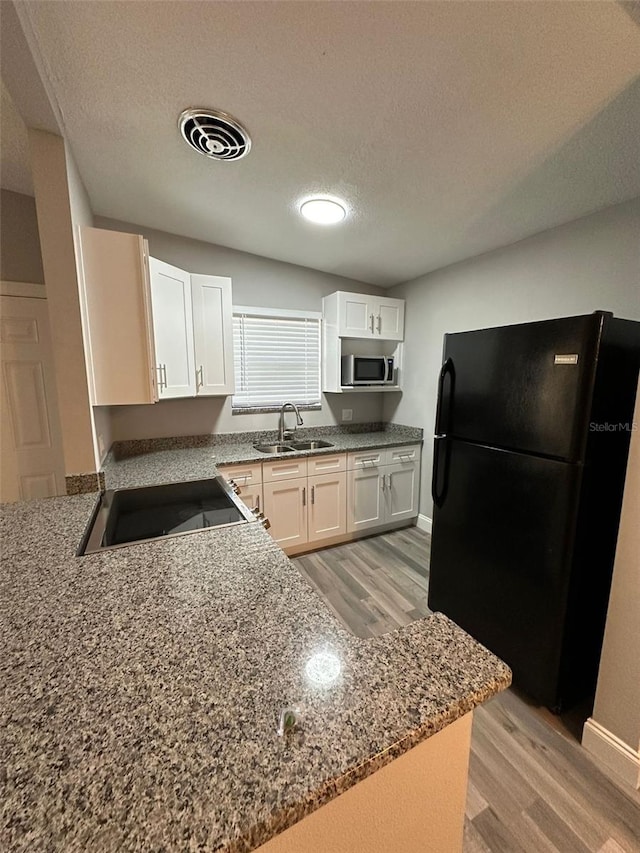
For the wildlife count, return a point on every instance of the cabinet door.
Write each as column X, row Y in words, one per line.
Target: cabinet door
column 401, row 487
column 365, row 505
column 285, row 505
column 356, row 315
column 173, row 330
column 213, row 334
column 251, row 496
column 116, row 317
column 327, row 506
column 389, row 320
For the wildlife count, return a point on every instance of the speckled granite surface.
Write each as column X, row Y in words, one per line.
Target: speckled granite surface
column 141, row 689
column 81, row 484
column 193, row 457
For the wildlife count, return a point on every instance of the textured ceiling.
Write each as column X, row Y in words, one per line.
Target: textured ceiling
column 449, row 128
column 15, row 167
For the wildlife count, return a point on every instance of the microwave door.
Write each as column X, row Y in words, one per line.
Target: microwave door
column 370, row 370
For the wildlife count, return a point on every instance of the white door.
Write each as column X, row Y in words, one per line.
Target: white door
column 356, row 315
column 327, row 506
column 365, row 504
column 173, row 330
column 213, row 334
column 389, row 321
column 401, row 490
column 285, row 505
column 32, row 462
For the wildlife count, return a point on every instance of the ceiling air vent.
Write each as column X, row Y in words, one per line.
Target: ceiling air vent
column 214, row 134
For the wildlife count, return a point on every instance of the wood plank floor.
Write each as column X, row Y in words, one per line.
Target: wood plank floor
column 373, row 585
column 532, row 788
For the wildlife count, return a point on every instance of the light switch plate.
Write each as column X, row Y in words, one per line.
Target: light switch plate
column 347, row 414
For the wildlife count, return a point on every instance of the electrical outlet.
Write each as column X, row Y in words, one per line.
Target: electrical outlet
column 347, row 414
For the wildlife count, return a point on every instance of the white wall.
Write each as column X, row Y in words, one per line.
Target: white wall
column 589, row 264
column 617, row 703
column 257, row 281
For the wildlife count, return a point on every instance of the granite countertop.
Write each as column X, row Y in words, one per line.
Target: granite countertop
column 141, row 689
column 149, row 462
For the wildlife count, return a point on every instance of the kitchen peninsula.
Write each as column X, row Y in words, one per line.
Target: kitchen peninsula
column 142, row 689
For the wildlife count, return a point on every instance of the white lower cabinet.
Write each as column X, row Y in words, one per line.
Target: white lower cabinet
column 248, row 479
column 327, row 507
column 381, row 493
column 308, row 500
column 365, row 502
column 305, row 508
column 401, row 491
column 285, row 505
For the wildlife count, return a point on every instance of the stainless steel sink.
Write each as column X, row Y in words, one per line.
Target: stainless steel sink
column 310, row 445
column 274, row 448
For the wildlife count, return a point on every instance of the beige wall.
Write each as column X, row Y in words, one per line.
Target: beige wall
column 589, row 264
column 20, row 257
column 617, row 705
column 257, row 281
column 57, row 203
column 415, row 804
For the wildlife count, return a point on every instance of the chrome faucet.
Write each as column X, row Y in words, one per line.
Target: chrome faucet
column 299, row 420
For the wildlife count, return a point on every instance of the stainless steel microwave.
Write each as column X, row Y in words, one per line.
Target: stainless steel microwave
column 367, row 370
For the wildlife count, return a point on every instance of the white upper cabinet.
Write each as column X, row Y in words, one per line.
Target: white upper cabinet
column 173, row 330
column 152, row 331
column 116, row 316
column 360, row 315
column 213, row 334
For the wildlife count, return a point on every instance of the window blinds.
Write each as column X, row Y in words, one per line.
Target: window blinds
column 276, row 359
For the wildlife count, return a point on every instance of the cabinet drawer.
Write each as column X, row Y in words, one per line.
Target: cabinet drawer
column 243, row 475
column 326, row 464
column 365, row 459
column 407, row 454
column 283, row 469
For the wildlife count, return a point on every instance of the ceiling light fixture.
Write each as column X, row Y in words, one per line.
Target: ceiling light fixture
column 323, row 211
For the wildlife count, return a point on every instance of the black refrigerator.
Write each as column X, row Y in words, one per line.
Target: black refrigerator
column 532, row 435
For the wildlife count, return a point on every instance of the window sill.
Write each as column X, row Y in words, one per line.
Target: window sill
column 263, row 410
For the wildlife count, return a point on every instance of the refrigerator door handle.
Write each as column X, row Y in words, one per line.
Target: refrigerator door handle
column 447, row 368
column 440, row 444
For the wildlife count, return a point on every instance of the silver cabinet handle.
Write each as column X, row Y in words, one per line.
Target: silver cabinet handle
column 313, row 494
column 199, row 377
column 388, row 481
column 382, row 483
column 371, row 322
column 304, row 496
column 379, row 324
column 164, row 375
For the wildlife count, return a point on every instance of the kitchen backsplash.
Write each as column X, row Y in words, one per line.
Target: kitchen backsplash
column 134, row 447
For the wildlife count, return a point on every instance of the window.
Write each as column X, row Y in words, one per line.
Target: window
column 276, row 356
